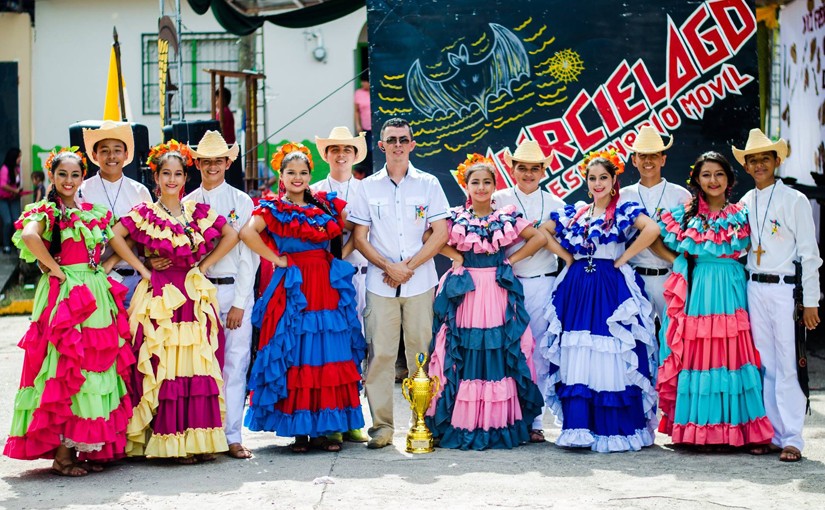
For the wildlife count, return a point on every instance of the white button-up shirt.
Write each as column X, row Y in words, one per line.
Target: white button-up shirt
column 240, row 263
column 536, row 207
column 119, row 197
column 398, row 215
column 787, row 233
column 346, row 191
column 661, row 197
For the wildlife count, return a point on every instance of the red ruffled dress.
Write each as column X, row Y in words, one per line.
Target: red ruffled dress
column 73, row 390
column 178, row 337
column 306, row 376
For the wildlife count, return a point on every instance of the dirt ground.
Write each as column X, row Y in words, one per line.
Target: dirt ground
column 531, row 476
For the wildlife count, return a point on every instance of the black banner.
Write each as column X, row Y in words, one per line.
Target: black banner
column 480, row 76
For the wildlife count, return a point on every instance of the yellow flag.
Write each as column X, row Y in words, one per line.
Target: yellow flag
column 111, row 108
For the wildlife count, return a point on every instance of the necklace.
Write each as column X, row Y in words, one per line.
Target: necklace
column 347, row 182
column 187, row 228
column 537, row 222
column 759, row 251
column 589, row 245
column 117, row 195
column 656, row 211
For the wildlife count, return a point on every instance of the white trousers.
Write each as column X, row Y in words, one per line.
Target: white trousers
column 359, row 281
column 655, row 290
column 771, row 314
column 236, row 354
column 536, row 297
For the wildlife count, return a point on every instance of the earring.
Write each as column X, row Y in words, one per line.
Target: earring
column 613, row 192
column 590, row 194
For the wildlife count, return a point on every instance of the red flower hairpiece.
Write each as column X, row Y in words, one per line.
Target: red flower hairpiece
column 608, row 154
column 74, row 149
column 472, row 159
column 285, row 149
column 156, row 152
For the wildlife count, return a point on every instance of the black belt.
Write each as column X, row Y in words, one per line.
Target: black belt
column 125, row 272
column 648, row 271
column 361, row 270
column 554, row 273
column 771, row 278
column 228, row 280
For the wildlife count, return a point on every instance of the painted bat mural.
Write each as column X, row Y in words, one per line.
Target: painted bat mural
column 471, row 83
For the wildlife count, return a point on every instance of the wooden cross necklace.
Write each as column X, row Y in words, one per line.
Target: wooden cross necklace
column 759, row 251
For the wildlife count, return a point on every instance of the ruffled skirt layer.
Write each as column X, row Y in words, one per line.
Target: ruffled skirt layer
column 178, row 387
column 73, row 389
column 596, row 365
column 710, row 384
column 482, row 352
column 306, row 377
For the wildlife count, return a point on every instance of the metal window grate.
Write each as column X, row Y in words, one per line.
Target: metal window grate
column 200, row 50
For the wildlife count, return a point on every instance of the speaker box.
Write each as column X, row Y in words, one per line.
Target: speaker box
column 137, row 169
column 190, row 132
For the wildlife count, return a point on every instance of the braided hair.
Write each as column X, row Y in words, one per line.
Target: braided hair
column 336, row 244
column 53, row 197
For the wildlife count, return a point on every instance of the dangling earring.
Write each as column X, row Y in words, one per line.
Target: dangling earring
column 590, row 194
column 613, row 192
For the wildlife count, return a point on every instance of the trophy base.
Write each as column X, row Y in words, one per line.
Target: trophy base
column 419, row 441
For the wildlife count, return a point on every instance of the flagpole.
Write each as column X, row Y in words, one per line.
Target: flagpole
column 180, row 61
column 116, row 46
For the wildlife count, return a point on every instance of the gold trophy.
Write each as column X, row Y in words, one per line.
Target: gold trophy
column 419, row 390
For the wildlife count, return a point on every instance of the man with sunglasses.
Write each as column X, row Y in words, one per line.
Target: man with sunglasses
column 391, row 211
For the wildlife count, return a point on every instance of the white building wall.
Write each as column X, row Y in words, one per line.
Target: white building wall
column 71, row 50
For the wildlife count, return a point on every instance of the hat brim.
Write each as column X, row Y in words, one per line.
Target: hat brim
column 508, row 158
column 652, row 150
column 780, row 147
column 123, row 132
column 231, row 153
column 359, row 142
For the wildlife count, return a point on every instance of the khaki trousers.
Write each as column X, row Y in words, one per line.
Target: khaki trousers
column 384, row 318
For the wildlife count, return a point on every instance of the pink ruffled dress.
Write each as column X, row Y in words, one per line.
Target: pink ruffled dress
column 710, row 386
column 178, row 337
column 482, row 348
column 73, row 389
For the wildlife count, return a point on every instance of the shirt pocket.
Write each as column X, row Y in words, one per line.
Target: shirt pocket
column 415, row 209
column 378, row 206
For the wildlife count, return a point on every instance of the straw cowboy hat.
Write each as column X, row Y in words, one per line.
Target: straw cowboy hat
column 758, row 142
column 527, row 152
column 341, row 135
column 648, row 141
column 212, row 145
column 109, row 130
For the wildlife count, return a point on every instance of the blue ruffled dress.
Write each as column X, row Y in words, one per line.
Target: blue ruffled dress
column 597, row 363
column 482, row 348
column 306, row 377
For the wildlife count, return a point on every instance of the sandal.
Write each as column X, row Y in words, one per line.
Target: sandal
column 92, row 467
column 186, row 461
column 68, row 467
column 537, row 436
column 205, row 457
column 301, row 444
column 764, row 449
column 325, row 444
column 790, row 454
column 239, row 451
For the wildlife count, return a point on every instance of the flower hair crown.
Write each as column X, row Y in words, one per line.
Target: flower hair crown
column 74, row 149
column 285, row 149
column 472, row 159
column 608, row 154
column 171, row 146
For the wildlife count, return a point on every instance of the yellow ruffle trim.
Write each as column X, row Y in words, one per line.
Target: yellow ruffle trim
column 182, row 444
column 164, row 233
column 183, row 349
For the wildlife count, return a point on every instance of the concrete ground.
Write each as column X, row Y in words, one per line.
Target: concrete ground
column 531, row 476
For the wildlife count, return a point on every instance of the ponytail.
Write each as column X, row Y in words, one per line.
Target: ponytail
column 54, row 246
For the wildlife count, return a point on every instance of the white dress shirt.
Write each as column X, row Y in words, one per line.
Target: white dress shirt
column 346, row 191
column 240, row 263
column 119, row 197
column 663, row 196
column 786, row 231
column 398, row 215
column 536, row 207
